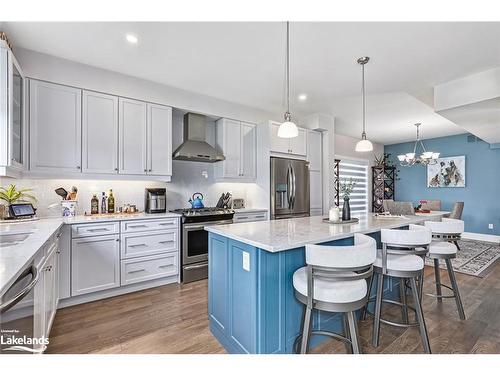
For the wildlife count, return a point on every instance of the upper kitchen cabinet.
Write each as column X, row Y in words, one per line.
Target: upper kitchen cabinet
column 55, row 128
column 237, row 140
column 99, row 133
column 314, row 150
column 12, row 114
column 292, row 146
column 132, row 140
column 159, row 134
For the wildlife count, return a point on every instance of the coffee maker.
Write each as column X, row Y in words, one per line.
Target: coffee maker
column 155, row 200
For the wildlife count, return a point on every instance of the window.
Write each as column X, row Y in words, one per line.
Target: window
column 358, row 171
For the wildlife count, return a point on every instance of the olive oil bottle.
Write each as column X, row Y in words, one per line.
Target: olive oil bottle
column 111, row 202
column 94, row 205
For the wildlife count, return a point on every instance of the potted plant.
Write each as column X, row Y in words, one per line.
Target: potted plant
column 11, row 195
column 346, row 188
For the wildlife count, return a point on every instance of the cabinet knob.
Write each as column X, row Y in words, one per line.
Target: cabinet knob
column 116, row 169
column 78, row 167
column 145, row 170
column 150, row 170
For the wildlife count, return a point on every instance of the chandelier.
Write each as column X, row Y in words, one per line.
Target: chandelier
column 425, row 158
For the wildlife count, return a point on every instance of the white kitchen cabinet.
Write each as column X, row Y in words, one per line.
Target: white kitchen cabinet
column 316, row 190
column 292, row 146
column 159, row 135
column 12, row 114
column 238, row 142
column 95, row 264
column 132, row 141
column 99, row 133
column 243, row 216
column 314, row 150
column 55, row 128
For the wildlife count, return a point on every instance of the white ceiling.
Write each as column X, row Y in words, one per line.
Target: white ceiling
column 244, row 63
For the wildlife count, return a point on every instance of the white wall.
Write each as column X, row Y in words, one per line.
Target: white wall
column 344, row 149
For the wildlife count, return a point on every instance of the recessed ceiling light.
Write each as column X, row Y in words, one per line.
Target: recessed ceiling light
column 302, row 97
column 131, row 38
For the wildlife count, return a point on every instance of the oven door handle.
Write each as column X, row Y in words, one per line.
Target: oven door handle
column 33, row 271
column 196, row 266
column 203, row 225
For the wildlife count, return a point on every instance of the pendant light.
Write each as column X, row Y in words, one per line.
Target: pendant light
column 364, row 145
column 288, row 129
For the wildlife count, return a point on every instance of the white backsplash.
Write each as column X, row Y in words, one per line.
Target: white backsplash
column 188, row 178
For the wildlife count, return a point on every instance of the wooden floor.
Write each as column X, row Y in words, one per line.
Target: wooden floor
column 173, row 319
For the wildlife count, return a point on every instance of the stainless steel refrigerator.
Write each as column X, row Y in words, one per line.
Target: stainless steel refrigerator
column 289, row 188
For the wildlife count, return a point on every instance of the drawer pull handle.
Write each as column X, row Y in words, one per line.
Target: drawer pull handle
column 138, row 226
column 260, row 217
column 165, row 266
column 139, row 245
column 169, row 241
column 241, row 217
column 169, row 223
column 98, row 230
column 136, row 271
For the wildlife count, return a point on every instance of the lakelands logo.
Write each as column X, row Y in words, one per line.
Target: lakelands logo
column 9, row 341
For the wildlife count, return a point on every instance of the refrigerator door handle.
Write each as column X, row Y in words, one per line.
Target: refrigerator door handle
column 289, row 186
column 294, row 184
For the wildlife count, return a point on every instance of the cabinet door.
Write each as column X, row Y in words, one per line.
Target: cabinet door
column 232, row 148
column 16, row 113
column 298, row 145
column 99, row 133
column 316, row 190
column 278, row 144
column 314, row 153
column 248, row 150
column 55, row 127
column 49, row 283
column 159, row 135
column 95, row 264
column 132, row 143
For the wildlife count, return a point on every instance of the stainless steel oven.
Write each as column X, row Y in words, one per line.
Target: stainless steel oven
column 195, row 249
column 17, row 316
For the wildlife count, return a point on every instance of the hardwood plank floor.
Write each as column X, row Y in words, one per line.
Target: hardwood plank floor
column 173, row 319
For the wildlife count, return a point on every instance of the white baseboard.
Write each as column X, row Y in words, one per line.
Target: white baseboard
column 481, row 237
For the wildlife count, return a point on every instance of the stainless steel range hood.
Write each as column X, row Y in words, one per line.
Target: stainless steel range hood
column 194, row 147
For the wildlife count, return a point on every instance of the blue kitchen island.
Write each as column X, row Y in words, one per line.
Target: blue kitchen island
column 252, row 307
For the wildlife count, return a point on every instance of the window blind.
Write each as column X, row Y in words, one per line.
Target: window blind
column 358, row 171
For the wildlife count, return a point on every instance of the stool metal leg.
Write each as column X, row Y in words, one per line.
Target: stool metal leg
column 378, row 309
column 402, row 296
column 353, row 328
column 420, row 317
column 370, row 286
column 456, row 244
column 421, row 286
column 437, row 273
column 454, row 285
column 306, row 331
column 347, row 333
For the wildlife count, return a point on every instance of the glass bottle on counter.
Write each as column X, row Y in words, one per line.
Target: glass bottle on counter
column 111, row 202
column 103, row 203
column 94, row 205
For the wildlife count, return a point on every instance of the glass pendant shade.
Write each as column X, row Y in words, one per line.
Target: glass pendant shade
column 288, row 130
column 425, row 158
column 364, row 146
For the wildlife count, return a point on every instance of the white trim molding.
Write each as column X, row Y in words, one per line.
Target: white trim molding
column 481, row 237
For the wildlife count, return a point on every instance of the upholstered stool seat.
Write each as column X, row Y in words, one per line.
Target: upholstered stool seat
column 326, row 290
column 441, row 248
column 397, row 262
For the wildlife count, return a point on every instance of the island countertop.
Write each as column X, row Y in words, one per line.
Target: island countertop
column 285, row 234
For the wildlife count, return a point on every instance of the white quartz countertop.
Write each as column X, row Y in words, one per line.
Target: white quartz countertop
column 82, row 219
column 279, row 235
column 14, row 259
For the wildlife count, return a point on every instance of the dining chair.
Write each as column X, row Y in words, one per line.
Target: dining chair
column 456, row 213
column 432, row 205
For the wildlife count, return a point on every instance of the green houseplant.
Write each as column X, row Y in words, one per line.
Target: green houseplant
column 11, row 195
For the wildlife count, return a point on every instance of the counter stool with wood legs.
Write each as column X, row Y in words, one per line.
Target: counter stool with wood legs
column 400, row 257
column 445, row 235
column 334, row 280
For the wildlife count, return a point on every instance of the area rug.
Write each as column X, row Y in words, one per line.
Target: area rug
column 473, row 258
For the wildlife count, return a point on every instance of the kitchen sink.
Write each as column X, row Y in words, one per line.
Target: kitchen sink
column 7, row 240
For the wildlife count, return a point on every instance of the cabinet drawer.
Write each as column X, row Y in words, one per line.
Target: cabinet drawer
column 248, row 217
column 97, row 229
column 134, row 245
column 149, row 268
column 147, row 225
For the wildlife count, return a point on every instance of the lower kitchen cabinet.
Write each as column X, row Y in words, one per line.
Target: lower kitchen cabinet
column 249, row 216
column 148, row 268
column 95, row 264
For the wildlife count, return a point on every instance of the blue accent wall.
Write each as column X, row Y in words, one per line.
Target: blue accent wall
column 482, row 180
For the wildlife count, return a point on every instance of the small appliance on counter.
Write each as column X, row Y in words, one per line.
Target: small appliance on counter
column 238, row 203
column 155, row 200
column 196, row 201
column 21, row 211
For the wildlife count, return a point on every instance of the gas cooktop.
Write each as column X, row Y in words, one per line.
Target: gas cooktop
column 206, row 211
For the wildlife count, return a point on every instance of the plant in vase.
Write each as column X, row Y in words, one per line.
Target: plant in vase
column 346, row 189
column 11, row 195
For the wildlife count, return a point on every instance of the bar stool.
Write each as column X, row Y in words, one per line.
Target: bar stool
column 441, row 248
column 334, row 280
column 400, row 257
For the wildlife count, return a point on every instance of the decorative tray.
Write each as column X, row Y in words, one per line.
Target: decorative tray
column 353, row 220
